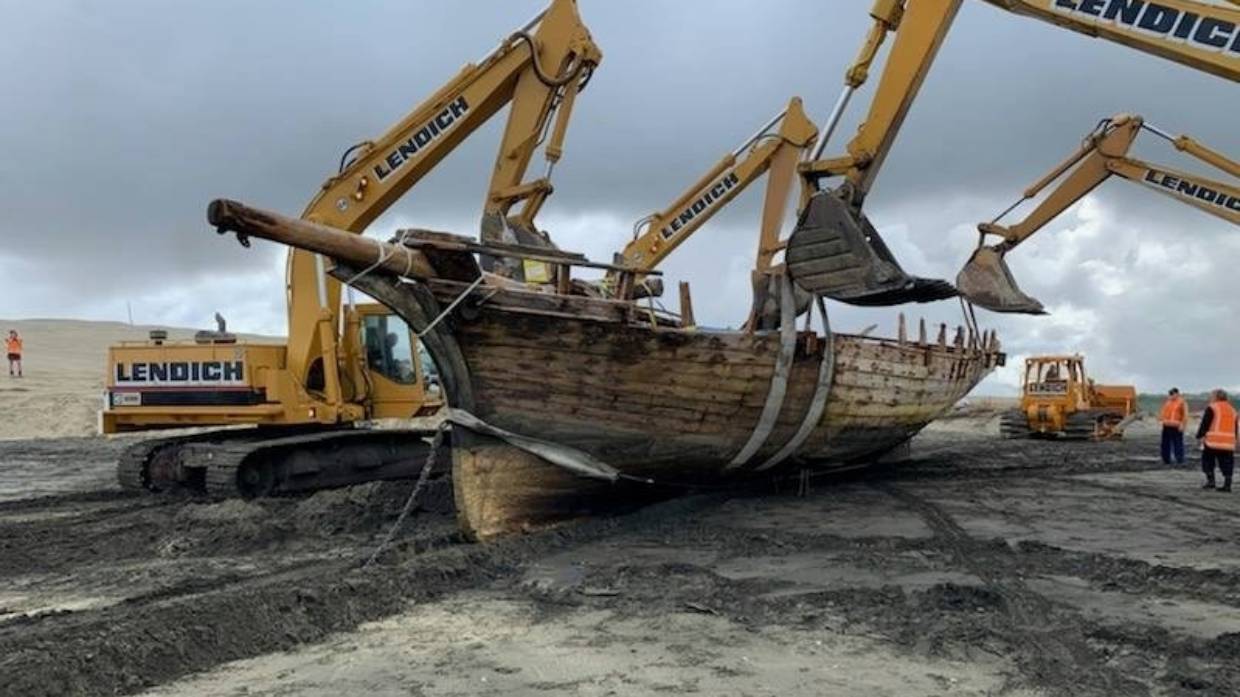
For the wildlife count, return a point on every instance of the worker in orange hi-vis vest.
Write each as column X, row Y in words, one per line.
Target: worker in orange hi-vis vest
column 1174, row 416
column 13, row 345
column 1218, row 433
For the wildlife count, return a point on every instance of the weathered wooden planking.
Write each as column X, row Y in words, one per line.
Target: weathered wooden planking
column 658, row 402
column 585, row 383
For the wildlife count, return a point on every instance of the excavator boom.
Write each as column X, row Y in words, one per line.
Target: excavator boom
column 345, row 365
column 775, row 151
column 1200, row 35
column 835, row 251
column 770, row 151
column 1211, row 196
column 986, row 279
column 536, row 69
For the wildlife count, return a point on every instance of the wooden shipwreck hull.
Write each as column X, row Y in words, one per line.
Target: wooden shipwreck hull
column 669, row 404
column 562, row 401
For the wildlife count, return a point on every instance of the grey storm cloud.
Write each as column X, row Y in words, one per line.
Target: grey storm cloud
column 122, row 119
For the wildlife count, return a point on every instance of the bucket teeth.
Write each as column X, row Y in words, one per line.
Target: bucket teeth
column 986, row 281
column 836, row 252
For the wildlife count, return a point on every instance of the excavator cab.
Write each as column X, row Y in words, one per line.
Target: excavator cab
column 397, row 378
column 836, row 252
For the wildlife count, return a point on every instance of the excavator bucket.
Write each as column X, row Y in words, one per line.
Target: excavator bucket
column 987, row 281
column 835, row 252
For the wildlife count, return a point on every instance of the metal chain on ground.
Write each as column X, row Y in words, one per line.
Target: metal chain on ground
column 436, row 444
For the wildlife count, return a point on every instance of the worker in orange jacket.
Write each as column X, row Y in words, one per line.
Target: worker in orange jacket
column 1174, row 416
column 13, row 345
column 1218, row 434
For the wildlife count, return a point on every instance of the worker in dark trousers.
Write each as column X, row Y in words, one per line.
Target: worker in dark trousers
column 14, row 346
column 1174, row 416
column 1218, row 434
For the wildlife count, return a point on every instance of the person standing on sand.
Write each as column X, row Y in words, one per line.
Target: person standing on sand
column 1218, row 432
column 1174, row 416
column 13, row 345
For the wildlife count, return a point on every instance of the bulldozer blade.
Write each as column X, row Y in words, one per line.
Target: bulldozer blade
column 836, row 252
column 987, row 281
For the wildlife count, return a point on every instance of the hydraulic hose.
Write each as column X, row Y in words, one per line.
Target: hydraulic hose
column 569, row 73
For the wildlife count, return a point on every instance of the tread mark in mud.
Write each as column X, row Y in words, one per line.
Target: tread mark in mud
column 1134, row 491
column 1048, row 651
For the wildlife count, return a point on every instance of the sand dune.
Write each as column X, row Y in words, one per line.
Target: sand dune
column 65, row 364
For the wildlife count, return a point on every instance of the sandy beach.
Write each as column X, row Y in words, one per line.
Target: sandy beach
column 65, row 365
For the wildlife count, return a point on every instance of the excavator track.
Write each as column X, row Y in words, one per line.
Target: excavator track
column 222, row 465
column 1013, row 424
column 1082, row 425
column 131, row 471
column 146, row 466
column 255, row 463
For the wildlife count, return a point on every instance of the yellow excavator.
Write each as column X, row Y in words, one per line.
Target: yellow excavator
column 342, row 368
column 775, row 150
column 834, row 251
column 986, row 279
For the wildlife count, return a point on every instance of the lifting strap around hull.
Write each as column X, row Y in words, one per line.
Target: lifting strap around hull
column 817, row 405
column 565, row 457
column 779, row 380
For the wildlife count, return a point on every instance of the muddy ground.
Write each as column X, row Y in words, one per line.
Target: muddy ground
column 980, row 567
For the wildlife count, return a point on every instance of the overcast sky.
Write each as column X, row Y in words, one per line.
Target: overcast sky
column 121, row 120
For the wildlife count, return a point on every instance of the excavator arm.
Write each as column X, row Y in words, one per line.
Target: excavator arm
column 986, row 279
column 538, row 70
column 774, row 151
column 835, row 251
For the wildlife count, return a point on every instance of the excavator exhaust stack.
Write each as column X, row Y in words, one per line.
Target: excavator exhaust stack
column 986, row 281
column 836, row 252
